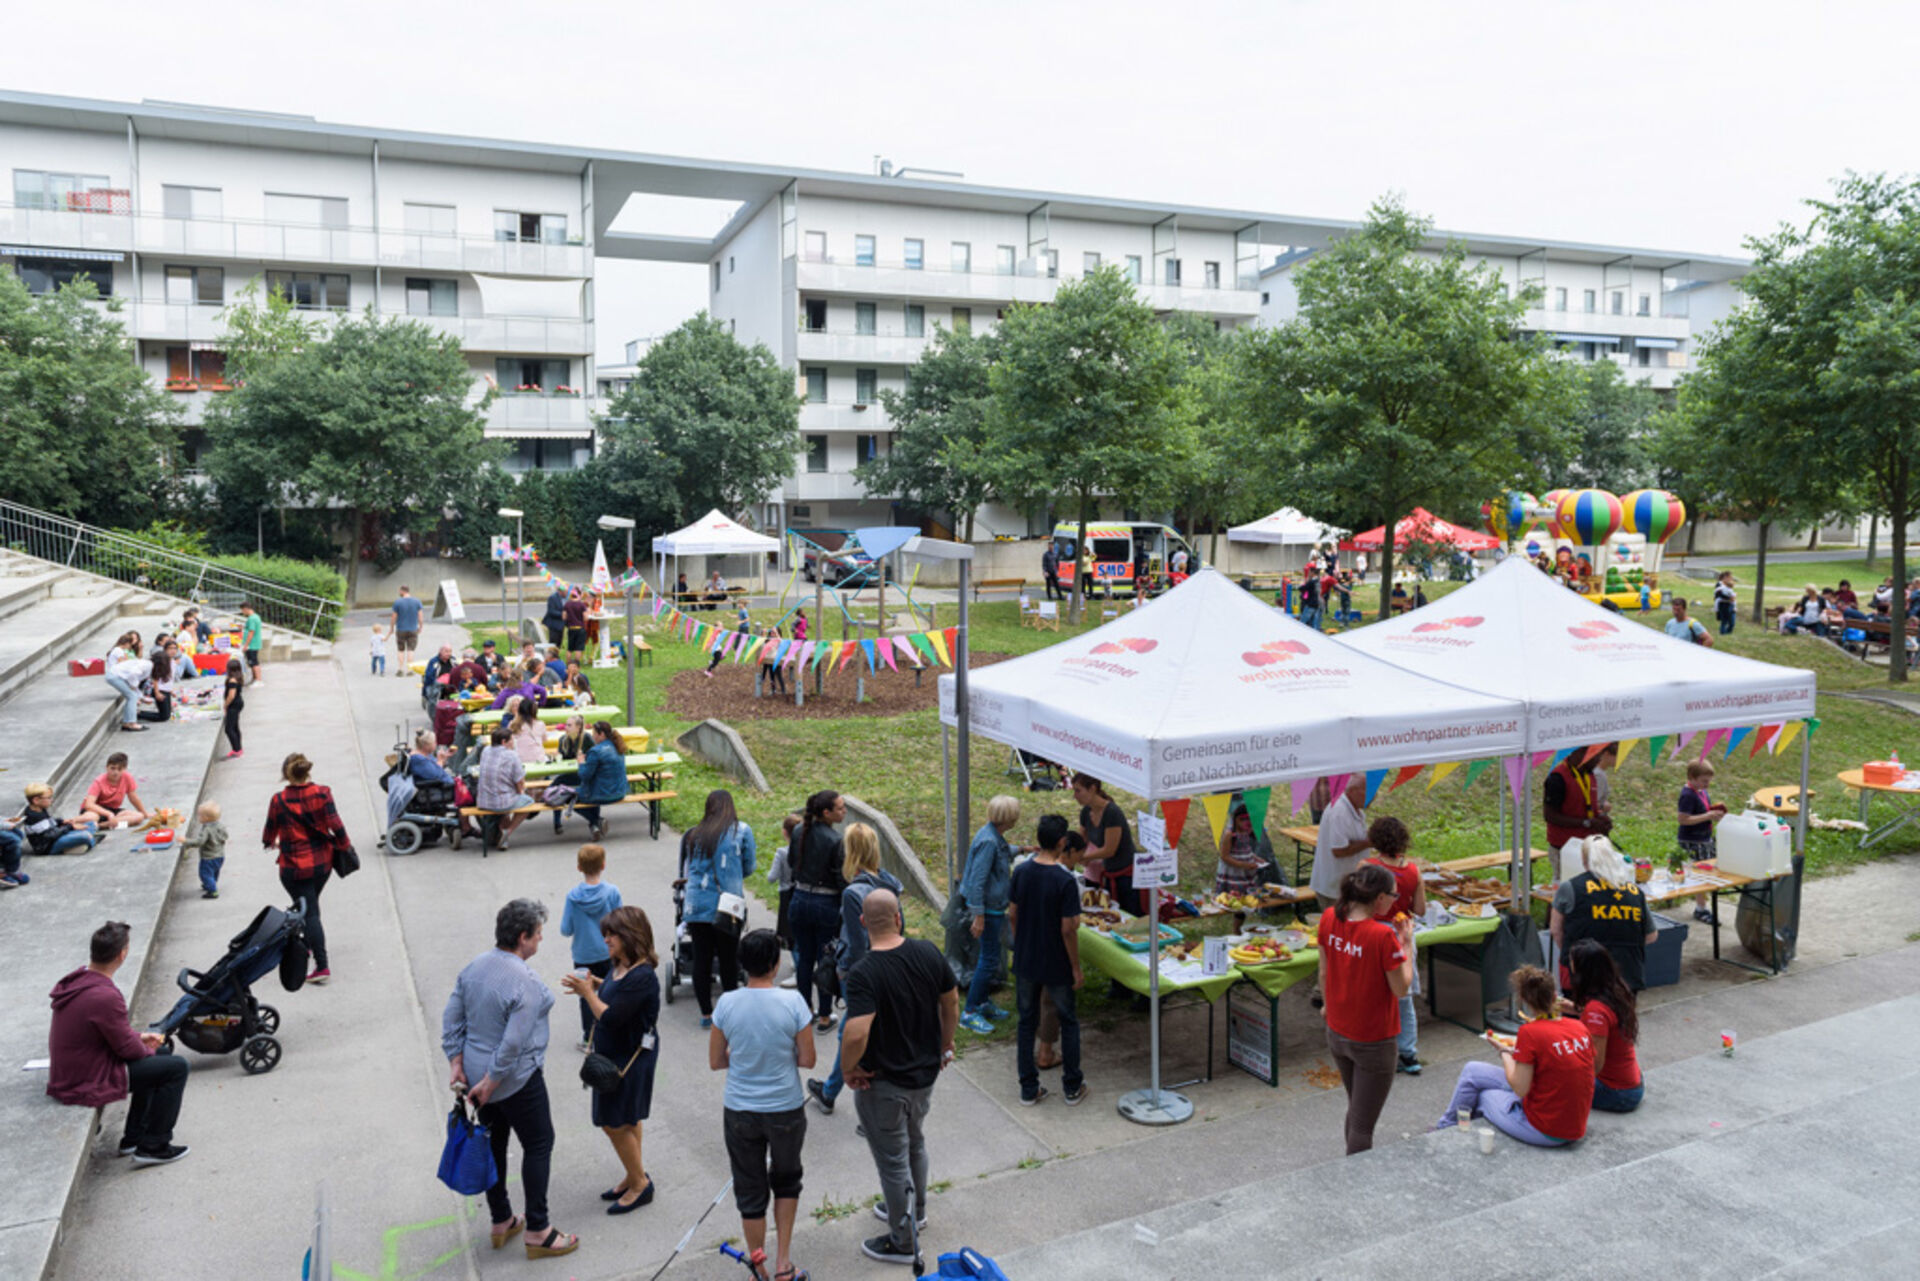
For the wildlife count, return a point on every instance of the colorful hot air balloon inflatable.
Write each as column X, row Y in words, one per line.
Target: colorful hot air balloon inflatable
column 1551, row 501
column 1510, row 516
column 1588, row 517
column 1654, row 513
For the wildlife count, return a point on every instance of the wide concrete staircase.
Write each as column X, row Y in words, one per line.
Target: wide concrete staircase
column 60, row 729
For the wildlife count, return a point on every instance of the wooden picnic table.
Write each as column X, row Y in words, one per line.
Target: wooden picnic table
column 1905, row 798
column 1711, row 885
column 1788, row 805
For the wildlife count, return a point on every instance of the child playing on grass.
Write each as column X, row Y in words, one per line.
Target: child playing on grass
column 377, row 651
column 112, row 792
column 1390, row 840
column 1699, row 815
column 587, row 905
column 210, row 843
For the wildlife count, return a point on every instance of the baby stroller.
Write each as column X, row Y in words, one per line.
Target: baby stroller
column 218, row 1014
column 416, row 812
column 677, row 966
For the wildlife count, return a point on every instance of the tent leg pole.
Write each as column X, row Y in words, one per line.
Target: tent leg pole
column 1153, row 1105
column 946, row 810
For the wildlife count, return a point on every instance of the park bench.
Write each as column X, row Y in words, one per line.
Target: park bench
column 1008, row 586
column 489, row 820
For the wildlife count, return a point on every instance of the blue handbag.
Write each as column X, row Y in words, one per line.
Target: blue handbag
column 466, row 1162
column 971, row 1264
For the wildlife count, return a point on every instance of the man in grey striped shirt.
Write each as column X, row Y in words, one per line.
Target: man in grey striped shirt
column 494, row 1032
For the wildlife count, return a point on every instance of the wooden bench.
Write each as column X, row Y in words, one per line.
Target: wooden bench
column 1010, row 586
column 489, row 819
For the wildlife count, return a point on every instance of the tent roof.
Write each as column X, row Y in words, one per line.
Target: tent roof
column 1424, row 525
column 1206, row 689
column 713, row 534
column 1283, row 526
column 1587, row 675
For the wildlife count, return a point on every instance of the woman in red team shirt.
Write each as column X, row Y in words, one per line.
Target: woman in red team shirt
column 1366, row 966
column 1546, row 1088
column 1604, row 1002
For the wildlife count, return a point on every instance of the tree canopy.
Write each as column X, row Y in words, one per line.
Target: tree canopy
column 88, row 434
column 940, row 458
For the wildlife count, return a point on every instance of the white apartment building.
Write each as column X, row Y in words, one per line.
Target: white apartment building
column 175, row 211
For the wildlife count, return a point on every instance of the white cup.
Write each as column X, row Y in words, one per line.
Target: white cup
column 1486, row 1143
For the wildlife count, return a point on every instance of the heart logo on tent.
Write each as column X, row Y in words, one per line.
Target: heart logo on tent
column 1127, row 644
column 1448, row 624
column 1277, row 651
column 1589, row 631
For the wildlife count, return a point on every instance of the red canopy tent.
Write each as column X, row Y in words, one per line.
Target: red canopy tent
column 1425, row 527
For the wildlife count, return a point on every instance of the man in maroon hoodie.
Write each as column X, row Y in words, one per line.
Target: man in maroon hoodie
column 98, row 1058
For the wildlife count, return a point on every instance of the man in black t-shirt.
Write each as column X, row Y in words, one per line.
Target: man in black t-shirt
column 903, row 1008
column 1043, row 909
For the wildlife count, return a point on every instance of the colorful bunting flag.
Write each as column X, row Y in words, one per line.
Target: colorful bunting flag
column 866, row 647
column 1541, row 758
column 1761, row 737
column 1559, row 756
column 1733, row 739
column 938, row 642
column 886, row 655
column 1441, row 770
column 1302, row 792
column 1712, row 740
column 1174, row 813
column 952, row 635
column 1406, row 774
column 1654, row 745
column 1516, row 767
column 1787, row 735
column 780, row 655
column 1257, row 799
column 1626, row 748
column 847, row 651
column 920, row 641
column 1336, row 784
column 1475, row 770
column 1681, row 746
column 1374, row 778
column 1216, row 807
column 907, row 651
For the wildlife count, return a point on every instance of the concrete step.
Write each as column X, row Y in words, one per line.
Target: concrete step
column 36, row 642
column 19, row 591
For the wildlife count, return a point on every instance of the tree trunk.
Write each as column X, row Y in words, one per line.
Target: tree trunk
column 1813, row 539
column 1760, row 575
column 1693, row 532
column 1873, row 537
column 1386, row 570
column 1079, row 550
column 358, row 522
column 1213, row 544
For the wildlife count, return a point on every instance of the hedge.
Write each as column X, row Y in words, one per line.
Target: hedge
column 297, row 575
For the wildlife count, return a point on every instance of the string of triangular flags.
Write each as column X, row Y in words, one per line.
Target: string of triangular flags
column 914, row 650
column 551, row 579
column 1218, row 806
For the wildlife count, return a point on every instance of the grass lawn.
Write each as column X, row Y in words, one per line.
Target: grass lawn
column 1788, row 577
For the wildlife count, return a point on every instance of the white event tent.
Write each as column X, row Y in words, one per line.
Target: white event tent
column 1284, row 526
column 714, row 534
column 1584, row 674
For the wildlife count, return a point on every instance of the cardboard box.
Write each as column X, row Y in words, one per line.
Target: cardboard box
column 1883, row 773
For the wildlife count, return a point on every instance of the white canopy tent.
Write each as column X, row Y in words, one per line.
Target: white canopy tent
column 1206, row 690
column 714, row 534
column 1584, row 674
column 1285, row 526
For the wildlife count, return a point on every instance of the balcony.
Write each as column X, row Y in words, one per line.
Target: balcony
column 1197, row 298
column 824, row 487
column 1540, row 320
column 886, row 279
column 819, row 346
column 173, row 322
column 515, row 335
column 270, row 242
column 819, row 416
column 531, row 414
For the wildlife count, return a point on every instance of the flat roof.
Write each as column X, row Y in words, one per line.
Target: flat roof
column 620, row 174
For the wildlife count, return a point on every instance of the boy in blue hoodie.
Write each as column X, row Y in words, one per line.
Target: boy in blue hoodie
column 587, row 905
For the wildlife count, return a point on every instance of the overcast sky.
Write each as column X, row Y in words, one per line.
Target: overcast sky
column 1682, row 125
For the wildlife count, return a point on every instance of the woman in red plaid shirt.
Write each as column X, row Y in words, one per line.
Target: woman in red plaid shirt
column 303, row 824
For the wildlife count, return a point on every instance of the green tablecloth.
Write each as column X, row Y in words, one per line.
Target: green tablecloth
column 553, row 715
column 1275, row 979
column 1129, row 969
column 642, row 763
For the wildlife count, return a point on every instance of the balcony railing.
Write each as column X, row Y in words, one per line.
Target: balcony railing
column 820, row 415
column 848, row 346
column 1028, row 283
column 156, row 321
column 524, row 414
column 287, row 242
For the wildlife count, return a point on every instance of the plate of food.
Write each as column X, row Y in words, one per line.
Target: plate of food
column 1501, row 1041
column 1260, row 952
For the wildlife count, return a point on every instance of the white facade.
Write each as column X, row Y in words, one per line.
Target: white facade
column 177, row 228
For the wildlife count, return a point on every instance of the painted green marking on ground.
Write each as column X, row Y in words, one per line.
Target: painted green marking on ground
column 390, row 1247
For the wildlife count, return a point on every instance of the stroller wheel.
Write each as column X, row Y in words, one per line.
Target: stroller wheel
column 668, row 978
column 267, row 1019
column 259, row 1054
column 404, row 838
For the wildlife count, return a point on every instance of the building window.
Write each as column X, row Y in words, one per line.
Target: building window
column 196, row 369
column 307, row 211
column 816, row 386
column 729, row 264
column 816, row 453
column 865, row 318
column 1646, row 305
column 916, row 254
column 863, row 251
column 430, row 220
column 44, row 275
column 916, row 320
column 960, row 257
column 1560, row 299
column 865, row 386
column 816, row 250
column 1590, row 301
column 1618, row 302
column 196, row 285
column 716, row 275
column 311, row 291
column 190, row 202
column 1053, row 264
column 962, row 319
column 866, row 448
column 1643, row 356
column 516, row 374
column 816, row 315
column 37, row 189
column 1210, row 275
column 428, row 297
column 1003, row 260
column 1089, row 263
column 1133, row 268
column 1172, row 272
column 529, row 228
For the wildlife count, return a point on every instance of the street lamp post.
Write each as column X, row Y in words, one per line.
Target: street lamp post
column 520, row 581
column 621, row 522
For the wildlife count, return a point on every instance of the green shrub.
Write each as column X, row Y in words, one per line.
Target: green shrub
column 301, row 576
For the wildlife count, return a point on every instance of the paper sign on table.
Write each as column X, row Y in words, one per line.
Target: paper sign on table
column 1153, row 862
column 1213, row 956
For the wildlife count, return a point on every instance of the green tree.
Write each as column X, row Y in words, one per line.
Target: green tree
column 1611, row 425
column 1208, row 462
column 708, row 423
column 368, row 424
column 940, row 458
column 1402, row 383
column 87, row 433
column 1084, row 400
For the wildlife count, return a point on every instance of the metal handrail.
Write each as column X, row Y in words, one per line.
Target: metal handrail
column 151, row 567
